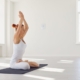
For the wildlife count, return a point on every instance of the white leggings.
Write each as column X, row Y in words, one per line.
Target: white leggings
column 20, row 65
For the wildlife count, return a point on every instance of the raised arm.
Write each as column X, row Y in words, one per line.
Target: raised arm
column 20, row 21
column 26, row 27
column 19, row 25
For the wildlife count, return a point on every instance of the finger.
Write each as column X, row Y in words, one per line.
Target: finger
column 19, row 11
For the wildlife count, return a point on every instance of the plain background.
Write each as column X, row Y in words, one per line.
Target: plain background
column 57, row 38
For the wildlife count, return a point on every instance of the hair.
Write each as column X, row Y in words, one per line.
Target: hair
column 15, row 26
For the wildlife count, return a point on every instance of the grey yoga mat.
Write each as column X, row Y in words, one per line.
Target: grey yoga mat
column 19, row 71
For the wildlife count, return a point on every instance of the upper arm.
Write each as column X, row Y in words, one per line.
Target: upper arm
column 17, row 35
column 26, row 28
column 18, row 30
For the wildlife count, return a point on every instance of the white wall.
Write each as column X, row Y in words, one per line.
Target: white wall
column 0, row 51
column 9, row 29
column 59, row 37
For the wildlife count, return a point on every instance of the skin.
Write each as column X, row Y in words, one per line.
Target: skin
column 20, row 32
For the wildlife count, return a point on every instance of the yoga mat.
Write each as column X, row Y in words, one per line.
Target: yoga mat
column 19, row 71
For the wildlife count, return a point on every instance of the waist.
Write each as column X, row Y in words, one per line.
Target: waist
column 19, row 47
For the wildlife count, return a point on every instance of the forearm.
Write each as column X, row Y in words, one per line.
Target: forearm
column 20, row 24
column 25, row 24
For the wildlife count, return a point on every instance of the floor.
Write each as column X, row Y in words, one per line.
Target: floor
column 59, row 68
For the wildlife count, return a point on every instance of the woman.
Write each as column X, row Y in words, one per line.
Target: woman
column 19, row 46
